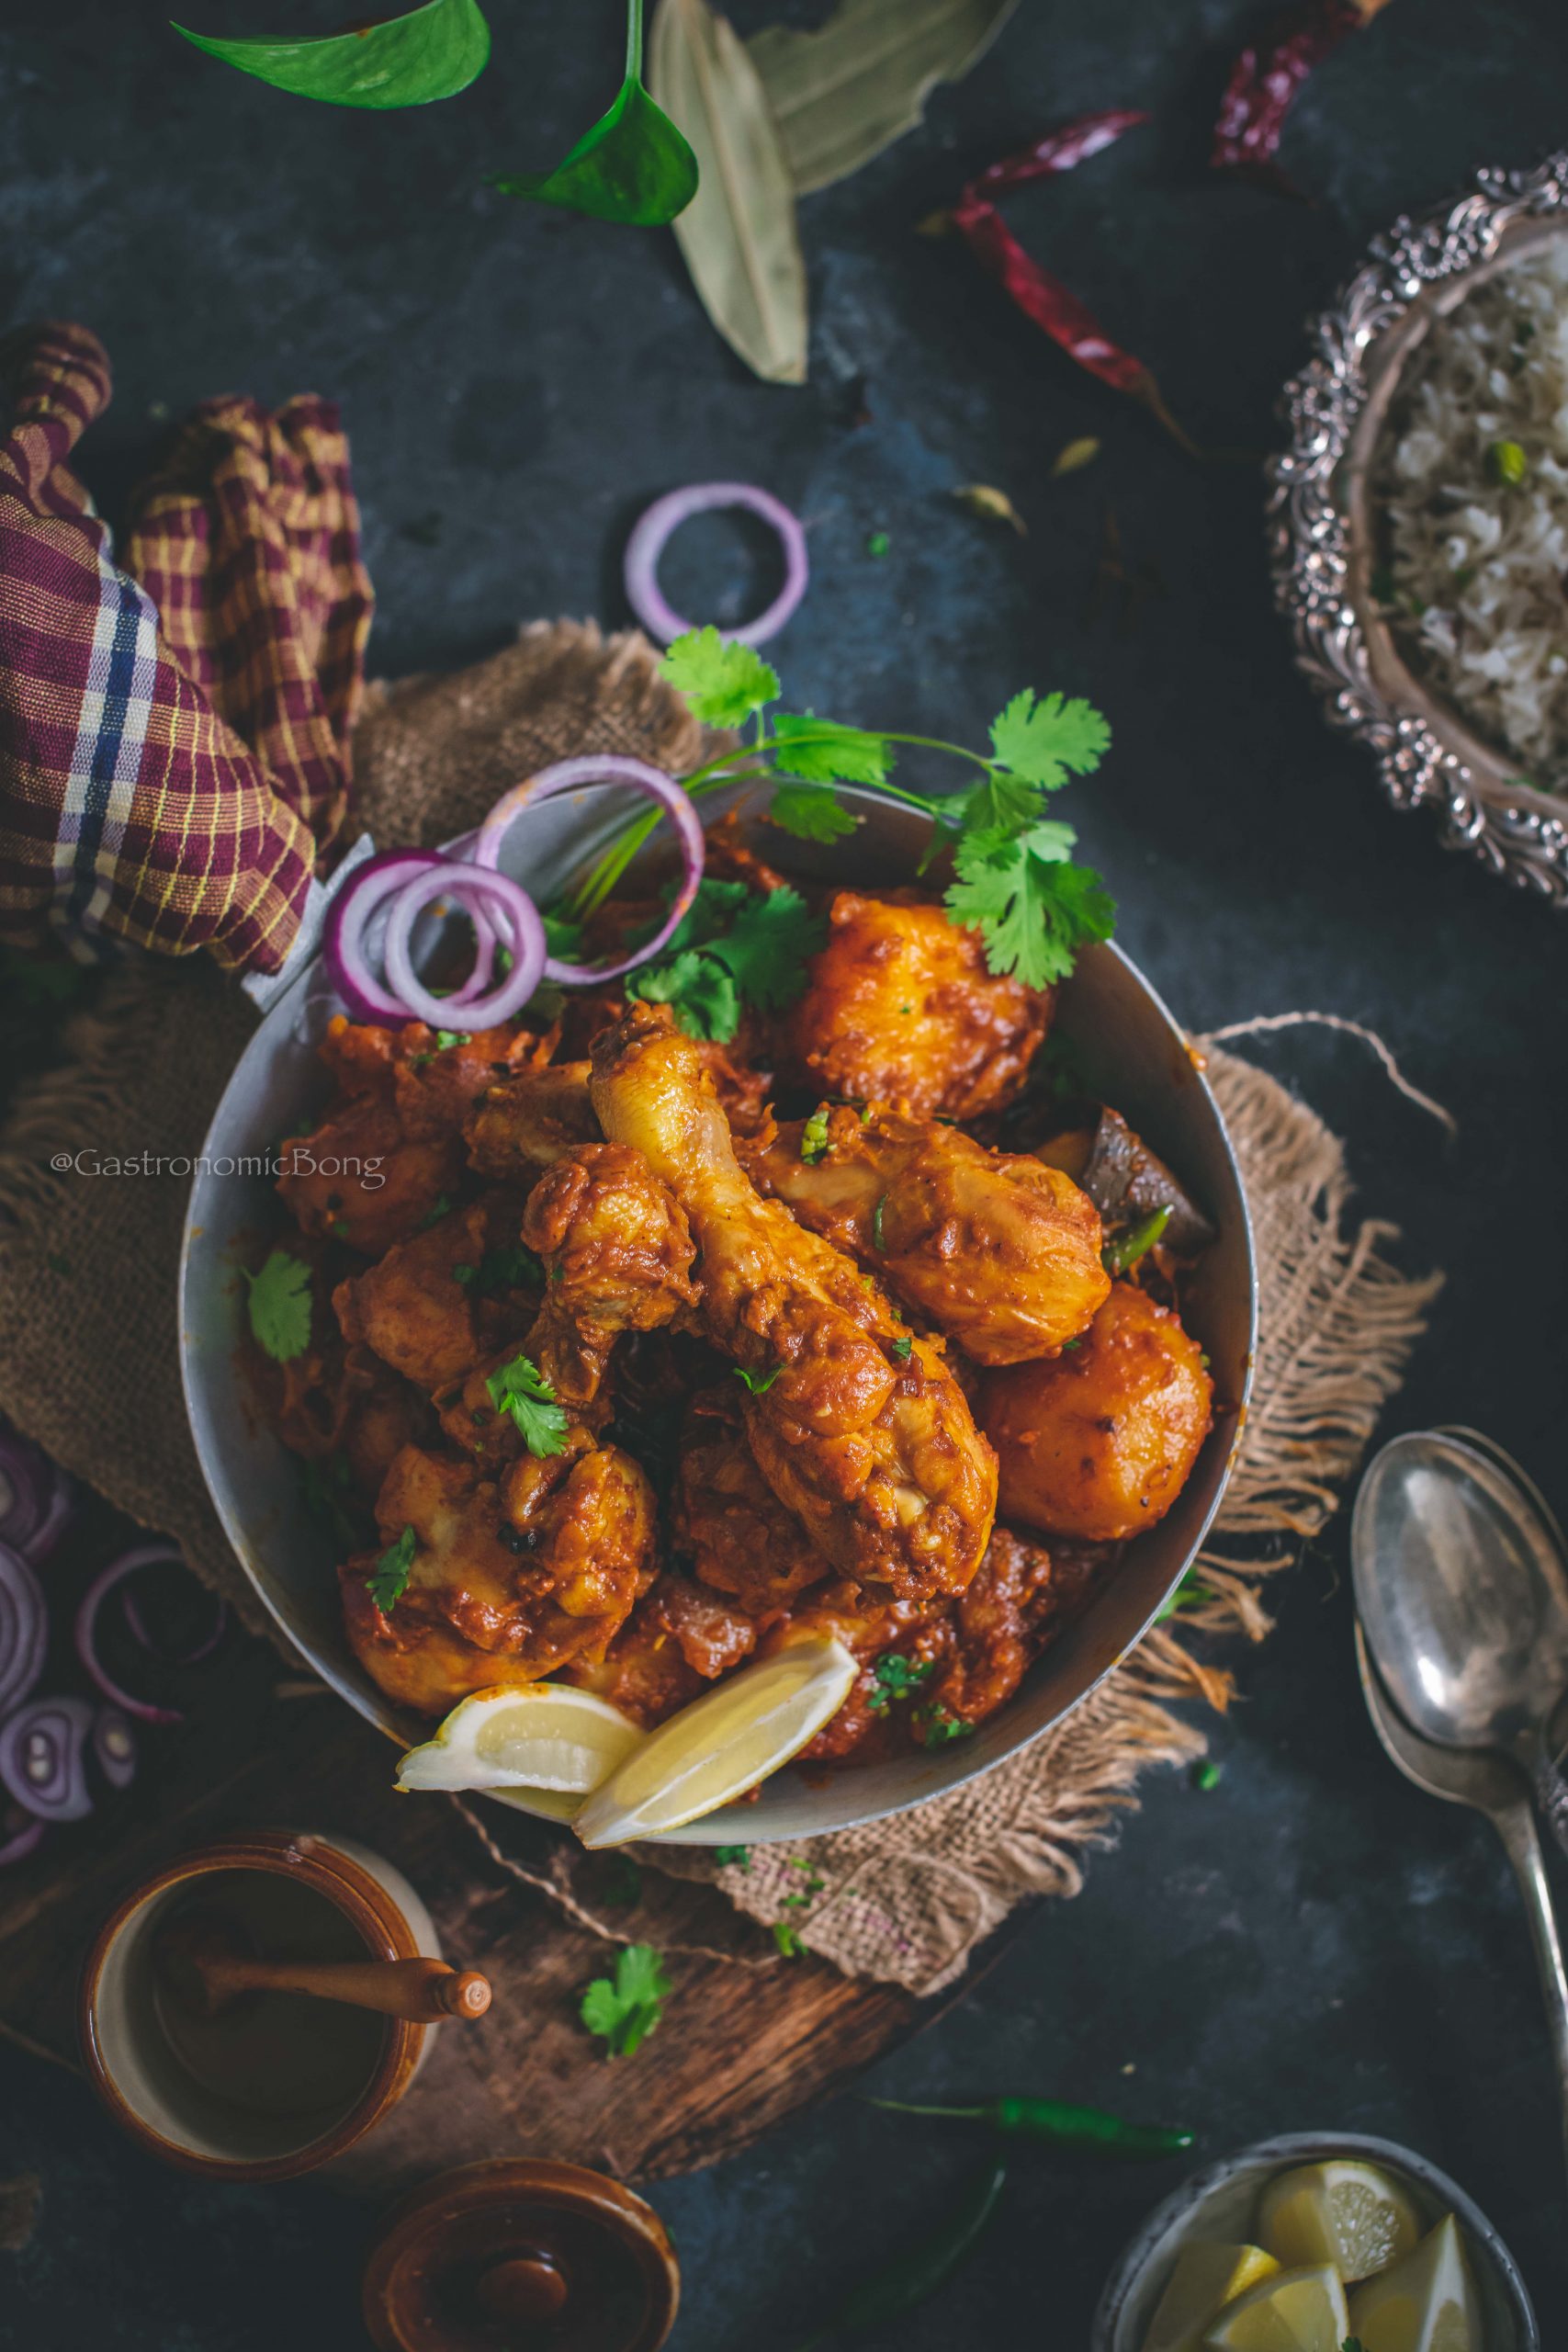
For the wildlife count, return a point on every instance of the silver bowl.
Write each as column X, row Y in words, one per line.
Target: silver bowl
column 1132, row 1050
column 1220, row 2202
column 1321, row 528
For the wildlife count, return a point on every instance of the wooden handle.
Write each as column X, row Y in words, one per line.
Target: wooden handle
column 423, row 1991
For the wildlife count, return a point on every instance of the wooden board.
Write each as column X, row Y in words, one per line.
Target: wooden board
column 748, row 2038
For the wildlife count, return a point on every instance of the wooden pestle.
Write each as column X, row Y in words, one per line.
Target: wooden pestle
column 201, row 1962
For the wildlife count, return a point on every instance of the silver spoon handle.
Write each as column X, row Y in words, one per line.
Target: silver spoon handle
column 1514, row 1825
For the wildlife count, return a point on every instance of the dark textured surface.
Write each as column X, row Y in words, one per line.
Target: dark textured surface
column 1310, row 1943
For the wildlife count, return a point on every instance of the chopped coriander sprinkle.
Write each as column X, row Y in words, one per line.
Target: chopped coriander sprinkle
column 787, row 1935
column 813, row 1137
column 388, row 1580
column 1506, row 463
column 1208, row 1775
column 520, row 1389
column 737, row 1857
column 938, row 1725
column 878, row 544
column 758, row 1382
column 895, row 1677
column 876, row 1221
column 903, row 1348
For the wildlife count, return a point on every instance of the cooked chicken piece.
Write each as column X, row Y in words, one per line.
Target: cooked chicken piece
column 999, row 1252
column 727, row 1519
column 508, row 1581
column 411, row 1307
column 645, row 1671
column 530, row 1120
column 1098, row 1441
column 430, row 1085
column 992, row 1626
column 386, row 1414
column 357, row 1178
column 617, row 1253
column 856, row 1423
column 900, row 1008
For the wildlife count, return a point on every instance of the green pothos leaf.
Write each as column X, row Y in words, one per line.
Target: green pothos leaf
column 429, row 52
column 632, row 166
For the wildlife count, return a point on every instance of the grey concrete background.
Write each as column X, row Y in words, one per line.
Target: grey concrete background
column 1309, row 1943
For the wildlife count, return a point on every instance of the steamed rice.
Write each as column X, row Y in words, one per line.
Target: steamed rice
column 1475, row 571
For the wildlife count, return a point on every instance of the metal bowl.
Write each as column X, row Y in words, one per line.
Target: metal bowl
column 1132, row 1050
column 1219, row 2203
column 1321, row 531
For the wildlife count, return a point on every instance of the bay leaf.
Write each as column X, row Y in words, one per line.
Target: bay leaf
column 737, row 234
column 428, row 52
column 843, row 93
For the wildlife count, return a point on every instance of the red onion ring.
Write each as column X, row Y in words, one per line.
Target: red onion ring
column 43, row 1750
column 514, row 907
column 24, row 1629
column 114, row 1744
column 343, row 934
column 651, row 535
column 605, row 767
column 36, row 1497
column 146, row 1555
column 204, row 1648
column 20, row 1833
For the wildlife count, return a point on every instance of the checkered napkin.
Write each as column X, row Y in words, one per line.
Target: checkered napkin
column 173, row 731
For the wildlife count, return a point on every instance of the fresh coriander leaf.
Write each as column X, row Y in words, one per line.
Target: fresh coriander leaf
column 563, row 938
column 1045, row 741
column 878, row 544
column 766, row 948
column 519, row 1388
column 723, row 682
column 1119, row 1257
column 758, row 1386
column 810, row 812
column 388, row 1580
column 446, row 1038
column 787, row 1935
column 903, row 1348
column 439, row 1207
column 821, row 750
column 1033, row 907
column 741, row 1856
column 280, row 1305
column 938, row 1725
column 876, row 1221
column 999, row 803
column 625, row 2009
column 896, row 1677
column 1208, row 1775
column 813, row 1137
column 1191, row 1593
column 699, row 992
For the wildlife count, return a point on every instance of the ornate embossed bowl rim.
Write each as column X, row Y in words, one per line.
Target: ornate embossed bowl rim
column 1321, row 528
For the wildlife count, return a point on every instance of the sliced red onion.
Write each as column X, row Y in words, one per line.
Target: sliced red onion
column 509, row 905
column 146, row 1555
column 343, row 934
column 36, row 1497
column 204, row 1648
column 43, row 1757
column 651, row 535
column 24, row 1629
column 20, row 1833
column 114, row 1744
column 606, row 768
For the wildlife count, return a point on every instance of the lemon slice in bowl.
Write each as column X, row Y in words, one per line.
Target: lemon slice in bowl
column 1425, row 2303
column 1206, row 2278
column 1295, row 2311
column 1349, row 2213
column 544, row 1736
column 722, row 1743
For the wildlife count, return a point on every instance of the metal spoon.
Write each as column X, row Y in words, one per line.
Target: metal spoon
column 1493, row 1787
column 1463, row 1586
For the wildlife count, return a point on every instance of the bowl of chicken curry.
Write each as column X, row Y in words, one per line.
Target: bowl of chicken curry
column 917, row 1310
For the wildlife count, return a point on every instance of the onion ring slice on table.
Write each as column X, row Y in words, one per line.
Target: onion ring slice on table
column 653, row 532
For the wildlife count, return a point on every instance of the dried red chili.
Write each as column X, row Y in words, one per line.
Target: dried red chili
column 1036, row 291
column 1266, row 77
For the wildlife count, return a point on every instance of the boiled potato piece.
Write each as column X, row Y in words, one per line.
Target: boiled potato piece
column 1098, row 1440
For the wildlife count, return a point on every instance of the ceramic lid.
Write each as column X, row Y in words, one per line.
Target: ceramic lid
column 518, row 2255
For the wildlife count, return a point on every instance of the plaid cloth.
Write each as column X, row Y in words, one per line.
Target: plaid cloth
column 174, row 735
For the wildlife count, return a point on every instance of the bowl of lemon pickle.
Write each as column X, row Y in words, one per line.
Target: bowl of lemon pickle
column 1318, row 2243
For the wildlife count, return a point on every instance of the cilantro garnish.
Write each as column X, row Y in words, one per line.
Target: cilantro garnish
column 446, row 1038
column 439, row 1207
column 520, row 1389
column 1208, row 1775
column 903, row 1348
column 876, row 1221
column 1016, row 881
column 1119, row 1257
column 813, row 1137
column 896, row 1678
column 513, row 1267
column 699, row 992
column 280, row 1305
column 388, row 1579
column 1191, row 1593
column 758, row 1384
column 735, row 947
column 739, row 1855
column 937, row 1724
column 787, row 1935
column 625, row 2009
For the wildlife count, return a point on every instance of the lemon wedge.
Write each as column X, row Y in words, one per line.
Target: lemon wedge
column 1295, row 2311
column 1425, row 2303
column 535, row 1736
column 722, row 1743
column 1345, row 2212
column 1206, row 2278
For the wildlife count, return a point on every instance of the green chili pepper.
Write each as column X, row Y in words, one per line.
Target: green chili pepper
column 919, row 2270
column 1119, row 1257
column 1063, row 2127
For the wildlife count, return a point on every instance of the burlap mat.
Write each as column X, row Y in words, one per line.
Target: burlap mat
column 88, row 1359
